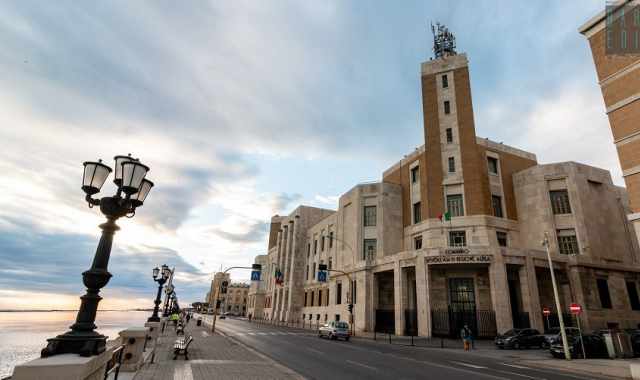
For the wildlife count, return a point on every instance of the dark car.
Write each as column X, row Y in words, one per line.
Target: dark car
column 553, row 334
column 520, row 338
column 594, row 347
column 634, row 334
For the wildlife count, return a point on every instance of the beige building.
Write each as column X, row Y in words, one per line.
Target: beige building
column 613, row 38
column 234, row 301
column 218, row 278
column 452, row 235
column 257, row 291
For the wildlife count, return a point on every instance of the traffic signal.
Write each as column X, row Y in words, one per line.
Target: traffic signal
column 350, row 308
column 322, row 266
column 223, row 287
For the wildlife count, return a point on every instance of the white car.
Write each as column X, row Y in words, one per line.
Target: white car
column 334, row 330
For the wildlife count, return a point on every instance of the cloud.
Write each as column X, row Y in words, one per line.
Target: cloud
column 255, row 233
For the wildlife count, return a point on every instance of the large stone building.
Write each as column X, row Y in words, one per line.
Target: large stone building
column 235, row 300
column 452, row 235
column 257, row 291
column 613, row 38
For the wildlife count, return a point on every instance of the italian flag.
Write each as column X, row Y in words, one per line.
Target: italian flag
column 445, row 216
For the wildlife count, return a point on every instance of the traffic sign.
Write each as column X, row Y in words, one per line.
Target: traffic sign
column 255, row 275
column 322, row 276
column 575, row 308
column 546, row 311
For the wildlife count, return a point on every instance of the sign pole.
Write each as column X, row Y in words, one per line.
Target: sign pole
column 563, row 333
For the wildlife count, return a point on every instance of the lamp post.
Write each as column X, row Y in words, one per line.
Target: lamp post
column 160, row 276
column 563, row 333
column 132, row 190
column 168, row 293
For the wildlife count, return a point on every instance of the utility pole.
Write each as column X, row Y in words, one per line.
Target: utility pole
column 563, row 333
column 216, row 295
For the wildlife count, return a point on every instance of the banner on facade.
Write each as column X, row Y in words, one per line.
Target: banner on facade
column 458, row 259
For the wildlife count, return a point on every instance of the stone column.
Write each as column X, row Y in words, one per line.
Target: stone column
column 422, row 297
column 133, row 355
column 399, row 287
column 500, row 294
column 578, row 295
column 291, row 259
column 530, row 295
column 64, row 366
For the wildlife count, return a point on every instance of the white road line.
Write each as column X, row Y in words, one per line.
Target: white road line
column 468, row 365
column 316, row 351
column 362, row 365
column 519, row 374
column 183, row 372
column 251, row 333
column 515, row 366
column 261, row 333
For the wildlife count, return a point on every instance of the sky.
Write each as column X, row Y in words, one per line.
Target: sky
column 246, row 109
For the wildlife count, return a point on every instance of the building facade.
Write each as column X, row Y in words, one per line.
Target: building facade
column 613, row 38
column 257, row 291
column 452, row 235
column 234, row 301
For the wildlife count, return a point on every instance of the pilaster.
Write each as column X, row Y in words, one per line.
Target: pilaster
column 500, row 294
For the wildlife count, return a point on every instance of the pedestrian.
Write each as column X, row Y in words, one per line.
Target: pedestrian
column 466, row 336
column 249, row 317
column 188, row 318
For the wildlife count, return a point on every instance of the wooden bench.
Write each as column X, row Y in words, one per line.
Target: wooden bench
column 181, row 347
column 180, row 329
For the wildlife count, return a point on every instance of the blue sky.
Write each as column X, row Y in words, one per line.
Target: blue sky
column 244, row 109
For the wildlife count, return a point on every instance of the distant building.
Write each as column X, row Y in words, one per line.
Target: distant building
column 613, row 38
column 257, row 289
column 452, row 235
column 235, row 300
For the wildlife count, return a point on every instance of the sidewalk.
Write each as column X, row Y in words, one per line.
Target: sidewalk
column 211, row 357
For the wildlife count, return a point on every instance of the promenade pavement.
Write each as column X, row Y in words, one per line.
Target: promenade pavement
column 212, row 356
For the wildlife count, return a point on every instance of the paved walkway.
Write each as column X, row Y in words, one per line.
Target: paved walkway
column 212, row 356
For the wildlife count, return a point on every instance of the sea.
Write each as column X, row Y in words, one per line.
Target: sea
column 24, row 334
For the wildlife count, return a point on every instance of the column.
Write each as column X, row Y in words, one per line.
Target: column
column 578, row 295
column 500, row 294
column 422, row 291
column 291, row 259
column 399, row 282
column 530, row 295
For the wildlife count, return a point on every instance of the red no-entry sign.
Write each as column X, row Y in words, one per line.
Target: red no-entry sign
column 546, row 312
column 575, row 308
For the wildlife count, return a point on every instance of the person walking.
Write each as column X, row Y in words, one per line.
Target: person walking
column 466, row 336
column 188, row 318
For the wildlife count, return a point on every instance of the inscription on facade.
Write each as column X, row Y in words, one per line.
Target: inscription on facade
column 458, row 259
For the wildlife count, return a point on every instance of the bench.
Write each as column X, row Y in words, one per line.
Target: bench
column 180, row 329
column 181, row 347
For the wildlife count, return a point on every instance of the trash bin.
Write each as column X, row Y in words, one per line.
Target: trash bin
column 199, row 322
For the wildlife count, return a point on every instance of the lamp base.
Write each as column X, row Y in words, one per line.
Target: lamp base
column 153, row 319
column 88, row 344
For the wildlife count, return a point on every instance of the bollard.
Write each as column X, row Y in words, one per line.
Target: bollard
column 389, row 334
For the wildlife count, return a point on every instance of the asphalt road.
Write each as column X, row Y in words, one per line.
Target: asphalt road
column 315, row 358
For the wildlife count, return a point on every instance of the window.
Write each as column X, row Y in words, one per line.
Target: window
column 330, row 262
column 567, row 242
column 331, row 239
column 632, row 290
column 415, row 174
column 337, row 317
column 313, row 296
column 493, row 165
column 560, row 202
column 315, row 246
column 452, row 165
column 447, row 107
column 369, row 216
column 308, row 249
column 307, row 275
column 416, row 213
column 496, row 202
column 502, row 238
column 454, row 205
column 339, row 293
column 305, row 299
column 445, row 81
column 327, row 296
column 457, row 239
column 417, row 242
column 322, row 242
column 355, row 289
column 369, row 249
column 449, row 135
column 320, row 300
column 313, row 275
column 603, row 291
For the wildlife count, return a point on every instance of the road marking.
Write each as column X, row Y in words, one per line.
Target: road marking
column 183, row 372
column 316, row 351
column 362, row 365
column 519, row 374
column 468, row 365
column 261, row 333
column 515, row 366
column 251, row 333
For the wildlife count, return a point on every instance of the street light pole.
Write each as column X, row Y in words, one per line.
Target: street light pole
column 217, row 294
column 164, row 275
column 563, row 333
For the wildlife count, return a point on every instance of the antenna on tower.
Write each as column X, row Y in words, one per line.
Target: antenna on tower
column 444, row 42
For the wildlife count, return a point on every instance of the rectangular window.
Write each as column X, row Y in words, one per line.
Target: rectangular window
column 417, row 242
column 452, row 165
column 331, row 239
column 632, row 290
column 339, row 293
column 328, row 297
column 355, row 290
column 313, row 296
column 415, row 174
column 457, row 239
column 308, row 249
column 330, row 262
column 493, row 165
column 449, row 135
column 369, row 249
column 445, row 81
column 369, row 216
column 307, row 276
column 322, row 242
column 567, row 242
column 502, row 238
column 315, row 246
column 447, row 107
column 337, row 317
column 320, row 300
column 560, row 202
column 416, row 213
column 313, row 275
column 306, row 296
column 496, row 202
column 455, row 206
column 603, row 291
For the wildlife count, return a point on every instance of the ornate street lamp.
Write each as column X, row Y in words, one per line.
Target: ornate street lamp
column 130, row 179
column 169, row 292
column 160, row 278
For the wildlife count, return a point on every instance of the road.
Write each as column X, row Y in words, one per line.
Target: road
column 315, row 358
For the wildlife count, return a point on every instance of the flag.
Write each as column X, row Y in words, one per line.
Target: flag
column 445, row 216
column 278, row 276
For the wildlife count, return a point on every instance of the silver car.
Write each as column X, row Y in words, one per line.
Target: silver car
column 334, row 330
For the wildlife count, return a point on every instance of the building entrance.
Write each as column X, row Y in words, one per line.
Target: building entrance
column 462, row 305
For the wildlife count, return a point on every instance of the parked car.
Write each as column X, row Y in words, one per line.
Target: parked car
column 635, row 340
column 520, row 338
column 554, row 333
column 594, row 347
column 223, row 316
column 334, row 330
